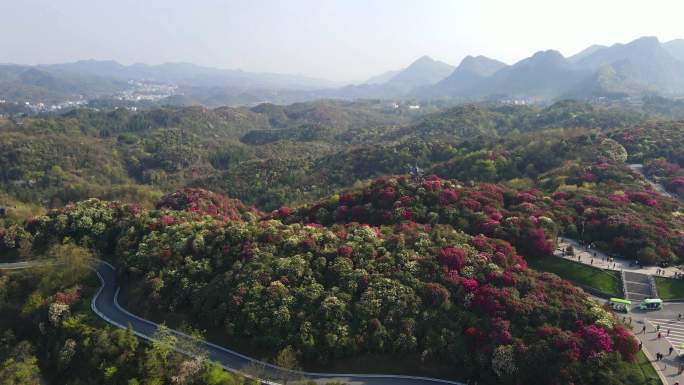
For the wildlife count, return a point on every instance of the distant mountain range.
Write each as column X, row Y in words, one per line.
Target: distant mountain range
column 186, row 74
column 93, row 79
column 642, row 67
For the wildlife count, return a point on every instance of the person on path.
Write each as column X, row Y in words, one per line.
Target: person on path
column 641, row 344
column 659, row 335
column 669, row 351
column 630, row 321
column 679, row 317
column 657, row 328
column 643, row 329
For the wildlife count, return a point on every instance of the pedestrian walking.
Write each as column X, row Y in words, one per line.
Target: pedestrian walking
column 643, row 329
column 679, row 317
column 669, row 351
column 592, row 261
column 659, row 335
column 630, row 321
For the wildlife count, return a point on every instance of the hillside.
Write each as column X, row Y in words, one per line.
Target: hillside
column 644, row 60
column 298, row 152
column 24, row 83
column 352, row 289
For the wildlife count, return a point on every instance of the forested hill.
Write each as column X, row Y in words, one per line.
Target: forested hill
column 360, row 281
column 268, row 155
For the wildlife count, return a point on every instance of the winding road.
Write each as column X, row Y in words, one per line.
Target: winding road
column 639, row 169
column 105, row 304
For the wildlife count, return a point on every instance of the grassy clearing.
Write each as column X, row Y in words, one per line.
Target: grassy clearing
column 606, row 282
column 669, row 288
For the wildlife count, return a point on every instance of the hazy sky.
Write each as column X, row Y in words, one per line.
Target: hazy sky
column 334, row 39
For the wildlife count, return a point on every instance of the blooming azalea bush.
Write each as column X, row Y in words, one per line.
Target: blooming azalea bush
column 204, row 202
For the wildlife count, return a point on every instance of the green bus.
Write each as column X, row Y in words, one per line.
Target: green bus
column 651, row 304
column 619, row 304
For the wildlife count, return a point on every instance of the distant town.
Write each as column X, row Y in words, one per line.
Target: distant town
column 138, row 91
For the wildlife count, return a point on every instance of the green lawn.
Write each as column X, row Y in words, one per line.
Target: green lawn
column 669, row 288
column 648, row 372
column 606, row 282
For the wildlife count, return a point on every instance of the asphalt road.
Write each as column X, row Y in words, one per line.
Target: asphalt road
column 105, row 304
column 639, row 169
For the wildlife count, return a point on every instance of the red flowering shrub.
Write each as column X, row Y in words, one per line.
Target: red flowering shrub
column 676, row 185
column 68, row 297
column 206, row 203
column 284, row 212
column 448, row 196
column 167, row 220
column 560, row 195
column 451, row 257
column 596, row 340
column 435, row 294
column 589, row 177
column 625, row 343
column 345, row 251
column 432, row 183
column 471, row 331
column 470, row 285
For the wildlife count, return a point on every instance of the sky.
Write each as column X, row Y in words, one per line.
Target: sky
column 344, row 40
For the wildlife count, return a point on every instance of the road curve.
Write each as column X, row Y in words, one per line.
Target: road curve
column 659, row 188
column 105, row 304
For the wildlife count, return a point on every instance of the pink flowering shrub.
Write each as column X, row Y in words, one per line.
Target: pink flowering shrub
column 451, row 257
